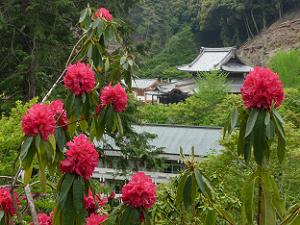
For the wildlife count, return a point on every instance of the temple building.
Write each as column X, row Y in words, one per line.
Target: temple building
column 223, row 59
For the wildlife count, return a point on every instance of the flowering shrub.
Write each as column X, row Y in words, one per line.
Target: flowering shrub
column 60, row 115
column 103, row 13
column 39, row 119
column 115, row 96
column 261, row 88
column 44, row 219
column 79, row 78
column 95, row 219
column 81, row 158
column 6, row 202
column 139, row 192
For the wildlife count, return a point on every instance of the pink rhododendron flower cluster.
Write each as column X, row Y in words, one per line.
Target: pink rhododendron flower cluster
column 114, row 95
column 101, row 200
column 261, row 88
column 89, row 203
column 37, row 120
column 6, row 202
column 139, row 192
column 103, row 13
column 60, row 115
column 79, row 78
column 44, row 219
column 95, row 219
column 81, row 158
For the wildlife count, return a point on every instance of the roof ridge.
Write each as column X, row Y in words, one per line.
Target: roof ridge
column 177, row 125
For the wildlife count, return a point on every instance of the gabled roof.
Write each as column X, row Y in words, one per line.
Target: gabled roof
column 171, row 137
column 143, row 83
column 214, row 59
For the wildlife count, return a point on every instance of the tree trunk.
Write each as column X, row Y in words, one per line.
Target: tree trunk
column 254, row 22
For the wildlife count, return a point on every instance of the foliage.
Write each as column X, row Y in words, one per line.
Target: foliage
column 211, row 86
column 179, row 49
column 287, row 65
column 11, row 136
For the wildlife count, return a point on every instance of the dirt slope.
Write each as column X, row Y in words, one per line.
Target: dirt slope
column 283, row 34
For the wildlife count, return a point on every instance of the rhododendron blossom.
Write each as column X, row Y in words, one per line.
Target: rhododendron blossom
column 39, row 119
column 103, row 13
column 95, row 219
column 261, row 88
column 89, row 203
column 101, row 200
column 6, row 201
column 81, row 158
column 60, row 115
column 139, row 192
column 114, row 95
column 79, row 78
column 44, row 219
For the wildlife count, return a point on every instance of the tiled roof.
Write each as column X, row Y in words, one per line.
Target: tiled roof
column 213, row 59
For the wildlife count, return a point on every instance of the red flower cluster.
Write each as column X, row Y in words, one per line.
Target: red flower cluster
column 114, row 95
column 103, row 13
column 79, row 78
column 38, row 120
column 101, row 200
column 44, row 219
column 89, row 203
column 261, row 88
column 82, row 157
column 139, row 192
column 60, row 115
column 6, row 202
column 95, row 219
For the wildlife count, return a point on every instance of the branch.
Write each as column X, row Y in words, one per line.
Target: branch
column 31, row 205
column 63, row 72
column 14, row 181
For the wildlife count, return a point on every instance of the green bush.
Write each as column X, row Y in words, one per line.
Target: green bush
column 287, row 65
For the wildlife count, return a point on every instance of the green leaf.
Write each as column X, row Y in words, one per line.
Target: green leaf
column 259, row 141
column 52, row 141
column 77, row 106
column 187, row 192
column 129, row 216
column 200, row 182
column 83, row 125
column 65, row 188
column 280, row 149
column 78, row 193
column 83, row 15
column 27, row 161
column 267, row 118
column 25, row 147
column 180, row 187
column 68, row 212
column 69, row 103
column 27, row 175
column 248, row 197
column 72, row 125
column 277, row 115
column 61, row 138
column 242, row 140
column 37, row 141
column 211, row 218
column 270, row 131
column 251, row 121
column 234, row 119
column 119, row 123
column 2, row 214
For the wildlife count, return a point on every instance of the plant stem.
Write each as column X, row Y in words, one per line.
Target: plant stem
column 261, row 208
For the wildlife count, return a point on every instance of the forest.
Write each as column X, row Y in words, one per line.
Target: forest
column 67, row 69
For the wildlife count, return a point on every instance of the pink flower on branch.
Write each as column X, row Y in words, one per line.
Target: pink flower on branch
column 103, row 13
column 95, row 219
column 81, row 158
column 44, row 219
column 261, row 89
column 39, row 119
column 60, row 115
column 115, row 96
column 139, row 192
column 79, row 78
column 6, row 201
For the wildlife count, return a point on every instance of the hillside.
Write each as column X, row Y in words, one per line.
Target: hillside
column 283, row 34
